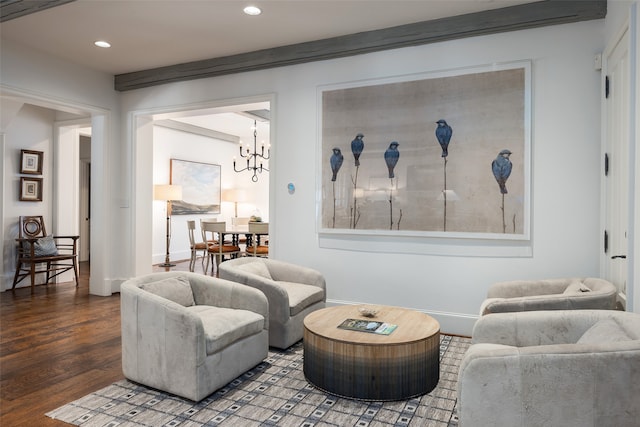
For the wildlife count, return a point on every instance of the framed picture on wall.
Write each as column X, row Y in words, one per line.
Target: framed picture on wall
column 200, row 187
column 30, row 189
column 31, row 162
column 441, row 154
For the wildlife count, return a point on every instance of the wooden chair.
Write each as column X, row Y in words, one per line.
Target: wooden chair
column 258, row 230
column 204, row 235
column 195, row 246
column 35, row 247
column 214, row 234
column 242, row 221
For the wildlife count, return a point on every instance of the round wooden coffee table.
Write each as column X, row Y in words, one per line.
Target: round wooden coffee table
column 370, row 366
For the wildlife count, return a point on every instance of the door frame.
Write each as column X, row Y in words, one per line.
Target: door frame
column 140, row 126
column 631, row 299
column 100, row 121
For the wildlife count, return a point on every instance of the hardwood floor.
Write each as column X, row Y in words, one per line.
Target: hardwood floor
column 57, row 345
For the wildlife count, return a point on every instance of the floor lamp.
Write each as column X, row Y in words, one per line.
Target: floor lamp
column 169, row 193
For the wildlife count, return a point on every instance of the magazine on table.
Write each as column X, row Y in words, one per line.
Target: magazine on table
column 371, row 326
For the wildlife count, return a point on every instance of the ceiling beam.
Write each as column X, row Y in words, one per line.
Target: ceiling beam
column 11, row 9
column 198, row 130
column 530, row 15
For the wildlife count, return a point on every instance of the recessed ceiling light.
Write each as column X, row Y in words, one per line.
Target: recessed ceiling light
column 102, row 43
column 252, row 10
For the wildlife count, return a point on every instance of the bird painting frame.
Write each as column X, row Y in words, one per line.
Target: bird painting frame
column 443, row 154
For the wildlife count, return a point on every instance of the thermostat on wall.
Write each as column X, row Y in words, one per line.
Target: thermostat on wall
column 291, row 188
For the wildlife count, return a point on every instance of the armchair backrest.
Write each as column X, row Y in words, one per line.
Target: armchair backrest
column 550, row 327
column 241, row 270
column 550, row 294
column 203, row 290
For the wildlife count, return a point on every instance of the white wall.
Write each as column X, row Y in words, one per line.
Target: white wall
column 565, row 160
column 173, row 144
column 30, row 129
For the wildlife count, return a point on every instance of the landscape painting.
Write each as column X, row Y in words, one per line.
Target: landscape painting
column 200, row 187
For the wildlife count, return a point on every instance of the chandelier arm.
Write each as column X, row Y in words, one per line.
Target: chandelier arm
column 239, row 170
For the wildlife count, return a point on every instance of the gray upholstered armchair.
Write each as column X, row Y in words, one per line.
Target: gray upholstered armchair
column 552, row 294
column 190, row 334
column 293, row 292
column 552, row 368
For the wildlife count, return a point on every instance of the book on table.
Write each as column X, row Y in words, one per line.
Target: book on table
column 371, row 326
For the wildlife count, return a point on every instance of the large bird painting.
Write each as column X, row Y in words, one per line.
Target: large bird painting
column 441, row 174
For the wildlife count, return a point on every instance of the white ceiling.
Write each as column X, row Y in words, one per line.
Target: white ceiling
column 147, row 34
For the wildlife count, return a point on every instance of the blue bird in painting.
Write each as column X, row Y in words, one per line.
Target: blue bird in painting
column 357, row 145
column 501, row 168
column 336, row 162
column 391, row 157
column 443, row 134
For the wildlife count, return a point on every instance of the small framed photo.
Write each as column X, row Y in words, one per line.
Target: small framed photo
column 30, row 189
column 31, row 162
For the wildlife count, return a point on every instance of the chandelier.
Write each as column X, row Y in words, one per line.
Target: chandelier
column 253, row 158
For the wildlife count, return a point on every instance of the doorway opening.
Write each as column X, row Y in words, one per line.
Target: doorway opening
column 210, row 135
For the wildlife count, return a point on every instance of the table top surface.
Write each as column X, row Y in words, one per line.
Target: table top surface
column 412, row 325
column 242, row 229
column 236, row 229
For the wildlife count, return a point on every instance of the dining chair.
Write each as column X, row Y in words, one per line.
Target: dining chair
column 258, row 230
column 204, row 237
column 240, row 221
column 196, row 246
column 213, row 233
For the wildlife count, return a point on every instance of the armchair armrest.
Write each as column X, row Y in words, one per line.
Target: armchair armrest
column 279, row 309
column 487, row 370
column 153, row 322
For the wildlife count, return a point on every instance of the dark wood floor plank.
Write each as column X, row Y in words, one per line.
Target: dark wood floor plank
column 57, row 345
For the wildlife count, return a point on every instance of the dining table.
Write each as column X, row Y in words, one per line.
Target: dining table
column 237, row 230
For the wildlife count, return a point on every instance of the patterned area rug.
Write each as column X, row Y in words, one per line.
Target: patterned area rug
column 274, row 393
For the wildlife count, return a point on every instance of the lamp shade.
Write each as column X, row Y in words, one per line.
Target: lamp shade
column 167, row 192
column 234, row 195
